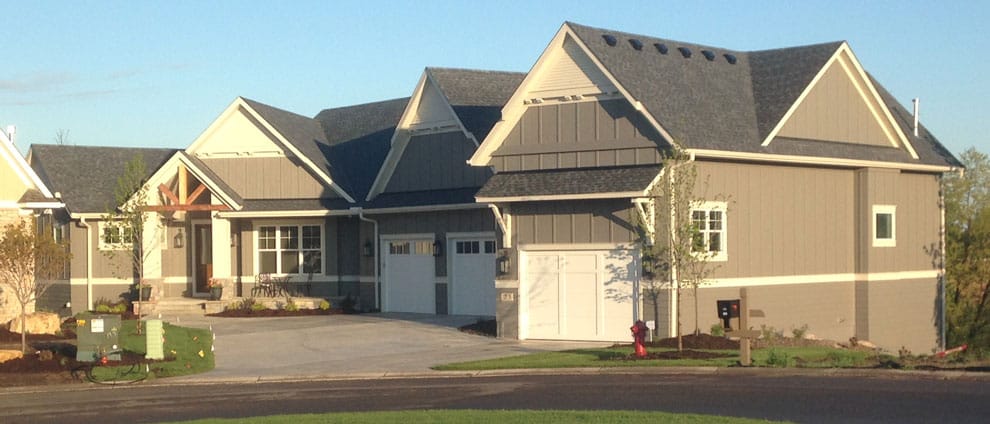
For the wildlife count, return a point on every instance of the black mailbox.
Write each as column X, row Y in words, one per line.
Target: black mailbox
column 727, row 309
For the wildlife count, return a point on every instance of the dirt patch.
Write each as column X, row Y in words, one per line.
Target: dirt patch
column 248, row 313
column 700, row 341
column 487, row 328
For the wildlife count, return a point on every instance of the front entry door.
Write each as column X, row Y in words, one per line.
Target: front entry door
column 203, row 256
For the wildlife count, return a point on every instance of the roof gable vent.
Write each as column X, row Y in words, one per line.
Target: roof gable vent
column 731, row 58
column 708, row 55
column 636, row 44
column 609, row 39
column 686, row 52
column 662, row 48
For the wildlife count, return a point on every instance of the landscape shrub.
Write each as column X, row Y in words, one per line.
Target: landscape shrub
column 777, row 358
column 257, row 306
column 717, row 330
column 325, row 305
column 800, row 332
column 769, row 333
column 290, row 305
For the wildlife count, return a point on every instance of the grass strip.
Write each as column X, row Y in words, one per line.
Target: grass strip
column 487, row 416
column 187, row 351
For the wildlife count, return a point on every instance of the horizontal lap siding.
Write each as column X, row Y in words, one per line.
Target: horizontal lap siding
column 580, row 134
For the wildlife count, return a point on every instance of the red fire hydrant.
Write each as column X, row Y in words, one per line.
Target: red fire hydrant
column 639, row 330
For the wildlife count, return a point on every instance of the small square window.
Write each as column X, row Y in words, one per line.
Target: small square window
column 884, row 225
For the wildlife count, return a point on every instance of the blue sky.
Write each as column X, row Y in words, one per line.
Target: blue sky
column 158, row 73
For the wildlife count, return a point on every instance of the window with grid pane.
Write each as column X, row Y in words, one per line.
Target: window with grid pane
column 708, row 219
column 290, row 249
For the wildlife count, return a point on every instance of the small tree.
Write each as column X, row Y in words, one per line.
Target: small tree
column 678, row 256
column 126, row 224
column 30, row 261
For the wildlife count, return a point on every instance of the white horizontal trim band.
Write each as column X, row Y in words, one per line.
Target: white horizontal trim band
column 812, row 160
column 610, row 195
column 821, row 278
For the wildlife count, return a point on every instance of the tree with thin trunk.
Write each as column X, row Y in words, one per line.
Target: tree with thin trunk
column 30, row 261
column 126, row 225
column 967, row 256
column 676, row 255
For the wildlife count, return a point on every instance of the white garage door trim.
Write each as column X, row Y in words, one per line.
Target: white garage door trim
column 471, row 292
column 424, row 285
column 610, row 322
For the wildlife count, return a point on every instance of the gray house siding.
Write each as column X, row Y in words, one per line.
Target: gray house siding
column 579, row 135
column 268, row 178
column 437, row 162
column 564, row 222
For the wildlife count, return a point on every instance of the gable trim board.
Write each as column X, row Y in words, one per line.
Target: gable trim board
column 406, row 129
column 514, row 109
column 162, row 174
column 240, row 104
column 321, row 212
column 858, row 78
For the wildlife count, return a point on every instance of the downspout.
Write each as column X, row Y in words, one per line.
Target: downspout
column 378, row 298
column 89, row 264
column 941, row 275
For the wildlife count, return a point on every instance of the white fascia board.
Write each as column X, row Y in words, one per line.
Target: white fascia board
column 42, row 205
column 208, row 132
column 287, row 145
column 514, row 108
column 349, row 212
column 21, row 167
column 813, row 160
column 450, row 109
column 550, row 197
column 87, row 215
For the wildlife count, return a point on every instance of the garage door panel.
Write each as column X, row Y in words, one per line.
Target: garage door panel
column 580, row 295
column 472, row 282
column 409, row 277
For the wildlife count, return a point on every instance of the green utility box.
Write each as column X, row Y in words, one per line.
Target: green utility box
column 97, row 336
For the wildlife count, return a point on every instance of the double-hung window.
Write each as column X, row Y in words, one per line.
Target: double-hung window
column 115, row 236
column 708, row 220
column 290, row 249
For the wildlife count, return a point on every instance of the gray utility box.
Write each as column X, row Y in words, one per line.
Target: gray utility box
column 97, row 336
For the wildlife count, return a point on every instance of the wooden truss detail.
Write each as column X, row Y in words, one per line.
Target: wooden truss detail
column 184, row 201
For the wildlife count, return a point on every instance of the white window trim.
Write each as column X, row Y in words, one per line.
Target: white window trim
column 278, row 257
column 708, row 206
column 103, row 226
column 884, row 209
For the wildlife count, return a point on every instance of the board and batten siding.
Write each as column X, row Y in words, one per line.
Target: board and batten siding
column 917, row 220
column 579, row 135
column 591, row 221
column 268, row 178
column 782, row 220
column 437, row 162
column 835, row 111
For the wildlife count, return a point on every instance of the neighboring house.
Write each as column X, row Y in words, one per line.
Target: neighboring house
column 86, row 177
column 267, row 191
column 23, row 195
column 832, row 207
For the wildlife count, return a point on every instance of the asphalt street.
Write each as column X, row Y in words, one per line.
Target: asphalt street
column 799, row 398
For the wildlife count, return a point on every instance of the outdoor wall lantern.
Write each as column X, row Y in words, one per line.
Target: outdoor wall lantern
column 369, row 248
column 178, row 240
column 437, row 248
column 503, row 263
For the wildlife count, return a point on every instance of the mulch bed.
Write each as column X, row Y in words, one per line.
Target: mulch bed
column 700, row 341
column 487, row 328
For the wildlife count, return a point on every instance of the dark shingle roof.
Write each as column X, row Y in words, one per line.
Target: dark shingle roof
column 570, row 181
column 358, row 140
column 714, row 104
column 220, row 183
column 270, row 205
column 87, row 175
column 476, row 96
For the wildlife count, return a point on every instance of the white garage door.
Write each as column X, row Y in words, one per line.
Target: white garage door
column 409, row 276
column 579, row 295
column 472, row 276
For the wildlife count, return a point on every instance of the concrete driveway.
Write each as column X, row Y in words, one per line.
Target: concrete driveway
column 348, row 345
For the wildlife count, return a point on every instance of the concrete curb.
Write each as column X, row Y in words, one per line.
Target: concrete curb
column 658, row 371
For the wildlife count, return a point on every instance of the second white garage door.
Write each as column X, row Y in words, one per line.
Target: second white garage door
column 579, row 294
column 472, row 275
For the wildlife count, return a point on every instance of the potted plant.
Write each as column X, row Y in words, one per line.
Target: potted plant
column 216, row 288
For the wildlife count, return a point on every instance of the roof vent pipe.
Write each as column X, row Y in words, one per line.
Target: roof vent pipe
column 917, row 107
column 11, row 131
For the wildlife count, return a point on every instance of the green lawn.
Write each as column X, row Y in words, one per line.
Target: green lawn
column 817, row 357
column 479, row 416
column 189, row 347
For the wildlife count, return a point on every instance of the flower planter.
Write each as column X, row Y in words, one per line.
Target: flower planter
column 216, row 293
column 145, row 294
